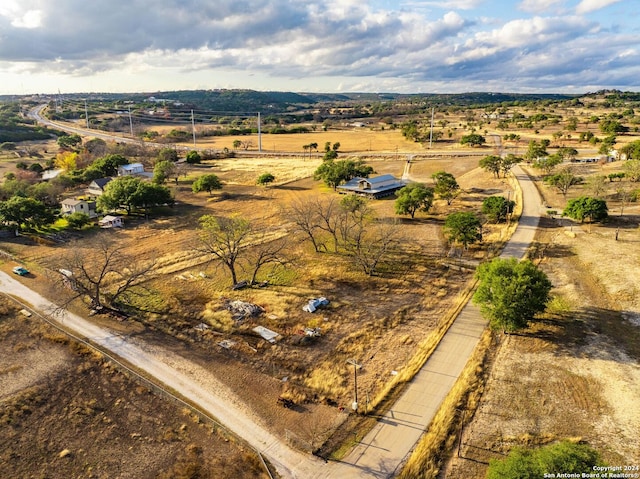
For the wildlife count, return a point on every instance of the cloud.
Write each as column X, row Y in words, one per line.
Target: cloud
column 448, row 4
column 533, row 32
column 306, row 43
column 588, row 6
column 537, row 6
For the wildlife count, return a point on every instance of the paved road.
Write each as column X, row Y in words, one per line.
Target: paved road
column 384, row 449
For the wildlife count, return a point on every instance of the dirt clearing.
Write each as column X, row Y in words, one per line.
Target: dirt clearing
column 66, row 413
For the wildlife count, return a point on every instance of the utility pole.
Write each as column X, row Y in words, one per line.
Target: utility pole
column 260, row 134
column 193, row 129
column 355, row 364
column 86, row 113
column 431, row 131
column 130, row 121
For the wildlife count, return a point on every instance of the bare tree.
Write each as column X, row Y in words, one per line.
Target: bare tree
column 371, row 245
column 328, row 215
column 102, row 275
column 306, row 221
column 597, row 185
column 267, row 251
column 225, row 238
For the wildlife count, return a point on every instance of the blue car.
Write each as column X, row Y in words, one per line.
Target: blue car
column 21, row 270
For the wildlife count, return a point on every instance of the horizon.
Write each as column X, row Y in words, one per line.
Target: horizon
column 568, row 47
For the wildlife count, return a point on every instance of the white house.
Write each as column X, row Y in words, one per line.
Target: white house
column 96, row 187
column 131, row 169
column 110, row 221
column 79, row 206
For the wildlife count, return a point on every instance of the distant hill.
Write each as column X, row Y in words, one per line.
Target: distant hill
column 239, row 101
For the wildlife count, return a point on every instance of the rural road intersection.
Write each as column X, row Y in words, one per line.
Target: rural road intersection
column 383, row 450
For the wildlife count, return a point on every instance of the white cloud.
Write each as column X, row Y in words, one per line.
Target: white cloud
column 448, row 4
column 587, row 6
column 537, row 6
column 305, row 45
column 533, row 31
column 30, row 19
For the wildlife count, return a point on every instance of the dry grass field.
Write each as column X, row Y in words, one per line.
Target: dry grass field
column 378, row 320
column 573, row 374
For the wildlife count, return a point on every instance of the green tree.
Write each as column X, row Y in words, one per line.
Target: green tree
column 473, row 139
column 18, row 212
column 333, row 173
column 511, row 292
column 446, row 186
column 463, row 228
column 607, row 144
column 163, row 170
column 492, row 163
column 330, row 151
column 193, row 157
column 129, row 193
column 610, row 126
column 237, row 144
column 108, row 165
column 560, row 458
column 413, row 198
column 631, row 150
column 77, row 220
column 411, row 131
column 508, row 162
column 586, row 207
column 168, row 154
column 69, row 141
column 563, row 180
column 265, row 179
column 547, row 163
column 496, row 208
column 206, row 183
column 632, row 170
column 535, row 151
column 567, row 153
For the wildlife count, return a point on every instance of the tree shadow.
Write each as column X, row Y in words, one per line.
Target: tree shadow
column 589, row 332
column 290, row 188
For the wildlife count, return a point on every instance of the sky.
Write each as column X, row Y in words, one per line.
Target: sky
column 394, row 46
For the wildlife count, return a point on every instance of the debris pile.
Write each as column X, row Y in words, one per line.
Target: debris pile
column 242, row 310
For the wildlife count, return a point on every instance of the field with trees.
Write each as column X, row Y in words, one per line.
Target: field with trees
column 222, row 226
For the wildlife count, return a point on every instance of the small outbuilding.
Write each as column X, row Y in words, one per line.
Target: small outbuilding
column 110, row 221
column 377, row 187
column 131, row 169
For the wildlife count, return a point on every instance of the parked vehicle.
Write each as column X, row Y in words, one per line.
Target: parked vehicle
column 21, row 270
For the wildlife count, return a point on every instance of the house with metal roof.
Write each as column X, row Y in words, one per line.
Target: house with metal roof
column 131, row 169
column 96, row 187
column 377, row 187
